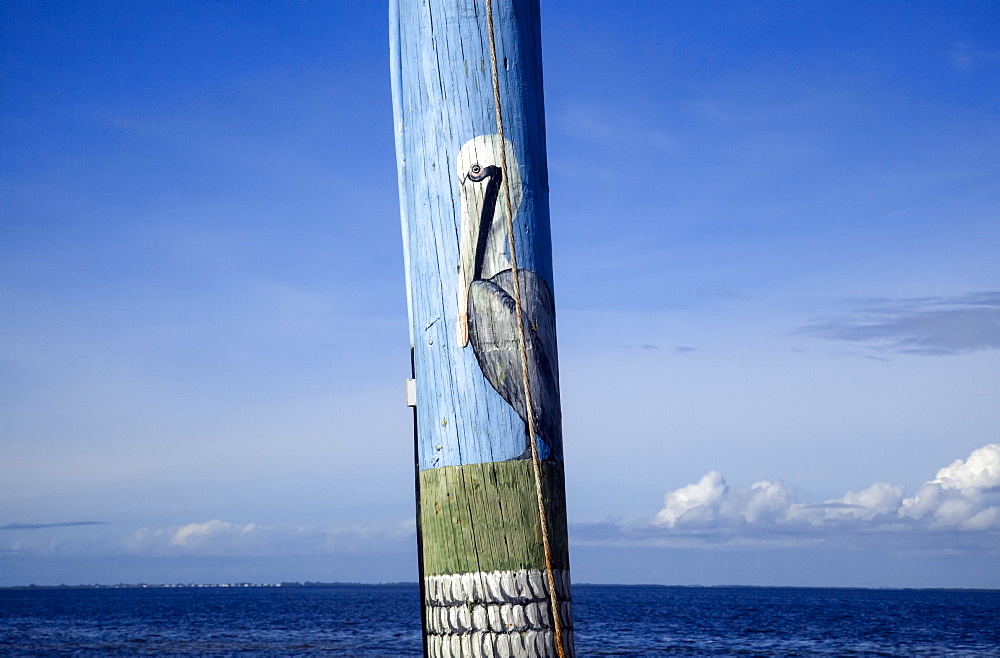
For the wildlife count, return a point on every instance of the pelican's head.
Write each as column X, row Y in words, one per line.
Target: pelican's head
column 483, row 236
column 478, row 163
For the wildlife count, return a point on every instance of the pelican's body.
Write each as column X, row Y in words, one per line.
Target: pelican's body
column 487, row 314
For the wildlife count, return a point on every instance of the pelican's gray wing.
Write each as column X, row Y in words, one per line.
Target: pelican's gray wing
column 493, row 335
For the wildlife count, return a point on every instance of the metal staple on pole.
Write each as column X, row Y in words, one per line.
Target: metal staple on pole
column 522, row 339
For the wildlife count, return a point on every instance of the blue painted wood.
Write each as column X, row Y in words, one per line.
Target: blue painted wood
column 470, row 408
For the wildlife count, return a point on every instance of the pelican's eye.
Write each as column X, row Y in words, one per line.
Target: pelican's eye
column 477, row 172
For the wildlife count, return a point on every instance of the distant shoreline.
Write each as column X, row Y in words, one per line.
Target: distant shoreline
column 310, row 584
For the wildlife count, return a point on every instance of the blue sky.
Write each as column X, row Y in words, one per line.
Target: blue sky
column 775, row 235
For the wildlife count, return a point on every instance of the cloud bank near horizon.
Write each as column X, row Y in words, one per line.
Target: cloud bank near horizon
column 217, row 537
column 957, row 510
column 220, row 538
column 961, row 504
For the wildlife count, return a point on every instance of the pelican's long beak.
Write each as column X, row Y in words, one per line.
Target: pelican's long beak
column 472, row 210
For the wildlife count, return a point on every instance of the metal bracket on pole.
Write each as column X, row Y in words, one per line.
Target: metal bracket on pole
column 411, row 392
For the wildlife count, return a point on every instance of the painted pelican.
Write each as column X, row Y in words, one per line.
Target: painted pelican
column 487, row 316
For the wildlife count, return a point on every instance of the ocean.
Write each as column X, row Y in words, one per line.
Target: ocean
column 610, row 620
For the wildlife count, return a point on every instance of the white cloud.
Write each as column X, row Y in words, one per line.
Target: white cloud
column 711, row 501
column 962, row 497
column 980, row 471
column 218, row 537
column 196, row 534
column 694, row 503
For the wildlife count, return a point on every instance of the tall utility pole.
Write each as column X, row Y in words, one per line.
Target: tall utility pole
column 473, row 187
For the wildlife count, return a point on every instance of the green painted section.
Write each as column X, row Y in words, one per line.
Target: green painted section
column 484, row 517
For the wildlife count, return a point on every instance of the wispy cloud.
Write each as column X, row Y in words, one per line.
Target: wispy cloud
column 597, row 124
column 217, row 537
column 944, row 325
column 963, row 499
column 965, row 56
column 40, row 526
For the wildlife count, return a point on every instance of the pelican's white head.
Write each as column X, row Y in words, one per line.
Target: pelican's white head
column 485, row 151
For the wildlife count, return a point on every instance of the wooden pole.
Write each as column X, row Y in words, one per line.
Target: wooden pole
column 473, row 185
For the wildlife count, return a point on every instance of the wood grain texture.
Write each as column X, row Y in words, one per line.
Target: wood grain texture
column 484, row 517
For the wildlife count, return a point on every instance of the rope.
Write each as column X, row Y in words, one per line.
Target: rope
column 525, row 378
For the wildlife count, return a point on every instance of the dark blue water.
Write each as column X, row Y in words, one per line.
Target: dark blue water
column 384, row 620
